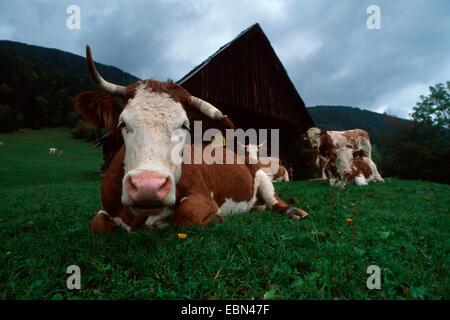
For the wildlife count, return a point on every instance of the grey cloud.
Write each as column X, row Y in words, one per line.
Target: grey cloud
column 330, row 55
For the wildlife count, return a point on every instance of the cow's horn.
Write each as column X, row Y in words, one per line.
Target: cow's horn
column 102, row 84
column 206, row 108
column 260, row 145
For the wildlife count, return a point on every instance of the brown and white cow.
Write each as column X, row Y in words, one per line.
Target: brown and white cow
column 328, row 141
column 364, row 171
column 348, row 166
column 271, row 165
column 145, row 183
column 355, row 167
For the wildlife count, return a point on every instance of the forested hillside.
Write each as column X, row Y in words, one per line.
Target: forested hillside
column 345, row 118
column 37, row 85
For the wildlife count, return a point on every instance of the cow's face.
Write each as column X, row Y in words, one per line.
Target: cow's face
column 153, row 126
column 152, row 117
column 252, row 151
column 313, row 135
column 344, row 161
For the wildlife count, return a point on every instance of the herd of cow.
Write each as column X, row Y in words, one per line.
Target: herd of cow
column 144, row 186
column 343, row 156
column 53, row 151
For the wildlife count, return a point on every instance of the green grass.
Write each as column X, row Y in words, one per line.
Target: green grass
column 47, row 205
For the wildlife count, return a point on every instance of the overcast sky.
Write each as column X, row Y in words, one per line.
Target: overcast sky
column 326, row 47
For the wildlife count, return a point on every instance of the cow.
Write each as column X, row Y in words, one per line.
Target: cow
column 146, row 185
column 345, row 165
column 355, row 167
column 271, row 165
column 364, row 171
column 327, row 142
column 61, row 153
column 1, row 144
column 52, row 150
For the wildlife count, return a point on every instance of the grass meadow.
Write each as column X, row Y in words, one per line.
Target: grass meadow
column 47, row 203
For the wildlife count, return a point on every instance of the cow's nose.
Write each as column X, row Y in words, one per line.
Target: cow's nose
column 315, row 145
column 148, row 188
column 347, row 171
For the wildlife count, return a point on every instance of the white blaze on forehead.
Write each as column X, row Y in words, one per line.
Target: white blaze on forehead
column 313, row 135
column 252, row 150
column 152, row 119
column 344, row 159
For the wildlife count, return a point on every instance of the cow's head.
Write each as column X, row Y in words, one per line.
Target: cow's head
column 252, row 150
column 313, row 135
column 153, row 119
column 345, row 160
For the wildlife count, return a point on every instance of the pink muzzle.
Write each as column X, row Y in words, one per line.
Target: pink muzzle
column 148, row 189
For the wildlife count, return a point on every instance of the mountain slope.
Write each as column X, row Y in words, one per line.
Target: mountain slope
column 37, row 85
column 346, row 118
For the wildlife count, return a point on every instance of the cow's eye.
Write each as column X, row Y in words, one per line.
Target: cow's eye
column 123, row 125
column 186, row 127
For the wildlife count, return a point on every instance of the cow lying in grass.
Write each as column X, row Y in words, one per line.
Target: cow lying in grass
column 271, row 165
column 325, row 143
column 145, row 183
column 348, row 166
column 340, row 152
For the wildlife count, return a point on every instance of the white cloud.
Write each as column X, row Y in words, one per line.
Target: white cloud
column 297, row 46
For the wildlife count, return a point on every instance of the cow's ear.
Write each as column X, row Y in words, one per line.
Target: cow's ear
column 358, row 154
column 99, row 109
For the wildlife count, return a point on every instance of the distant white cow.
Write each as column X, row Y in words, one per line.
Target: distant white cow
column 52, row 150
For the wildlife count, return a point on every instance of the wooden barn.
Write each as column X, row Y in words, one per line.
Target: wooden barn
column 246, row 81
